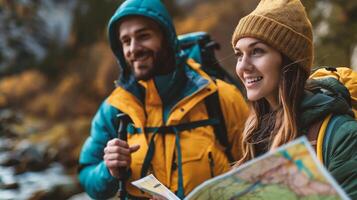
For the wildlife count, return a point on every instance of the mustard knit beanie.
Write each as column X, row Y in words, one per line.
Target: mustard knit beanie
column 282, row 24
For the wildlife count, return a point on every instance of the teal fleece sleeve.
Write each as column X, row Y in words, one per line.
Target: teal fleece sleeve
column 94, row 176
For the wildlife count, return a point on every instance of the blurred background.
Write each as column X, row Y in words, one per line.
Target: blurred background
column 56, row 67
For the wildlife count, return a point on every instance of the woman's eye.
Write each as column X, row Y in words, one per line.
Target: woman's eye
column 239, row 56
column 257, row 51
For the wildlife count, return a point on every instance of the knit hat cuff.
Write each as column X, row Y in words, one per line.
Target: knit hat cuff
column 289, row 42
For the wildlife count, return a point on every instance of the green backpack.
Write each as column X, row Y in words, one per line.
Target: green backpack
column 340, row 81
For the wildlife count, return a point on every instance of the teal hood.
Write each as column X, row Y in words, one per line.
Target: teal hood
column 152, row 9
column 325, row 96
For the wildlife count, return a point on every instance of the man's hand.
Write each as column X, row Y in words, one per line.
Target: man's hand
column 157, row 198
column 117, row 154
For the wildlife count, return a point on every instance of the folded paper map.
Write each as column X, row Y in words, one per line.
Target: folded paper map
column 152, row 186
column 292, row 171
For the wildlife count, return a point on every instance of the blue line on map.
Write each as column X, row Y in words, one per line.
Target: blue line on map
column 299, row 164
column 247, row 190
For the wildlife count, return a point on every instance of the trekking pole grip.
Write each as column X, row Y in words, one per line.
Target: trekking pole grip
column 122, row 134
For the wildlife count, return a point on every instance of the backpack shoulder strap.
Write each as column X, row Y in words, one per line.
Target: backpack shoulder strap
column 321, row 137
column 332, row 124
column 316, row 133
column 320, row 133
column 214, row 110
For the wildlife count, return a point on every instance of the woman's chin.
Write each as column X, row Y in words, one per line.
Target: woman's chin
column 253, row 96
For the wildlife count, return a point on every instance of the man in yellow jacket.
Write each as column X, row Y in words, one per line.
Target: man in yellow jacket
column 163, row 93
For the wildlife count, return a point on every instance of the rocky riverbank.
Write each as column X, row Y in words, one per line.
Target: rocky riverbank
column 38, row 160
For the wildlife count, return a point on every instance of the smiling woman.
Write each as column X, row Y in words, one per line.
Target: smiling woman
column 258, row 66
column 274, row 50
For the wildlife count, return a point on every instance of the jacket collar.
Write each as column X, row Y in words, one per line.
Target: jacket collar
column 315, row 107
column 198, row 85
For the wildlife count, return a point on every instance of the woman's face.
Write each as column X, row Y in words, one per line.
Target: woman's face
column 259, row 67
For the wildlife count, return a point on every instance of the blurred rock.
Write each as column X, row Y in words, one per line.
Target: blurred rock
column 7, row 181
column 58, row 192
column 51, row 183
column 9, row 186
column 6, row 144
column 9, row 116
column 27, row 158
column 63, row 141
column 9, row 161
column 7, row 119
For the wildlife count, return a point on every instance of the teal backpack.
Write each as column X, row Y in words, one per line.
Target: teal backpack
column 201, row 48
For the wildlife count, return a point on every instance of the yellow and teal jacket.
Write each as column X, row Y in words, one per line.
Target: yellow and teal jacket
column 201, row 155
column 337, row 137
column 181, row 158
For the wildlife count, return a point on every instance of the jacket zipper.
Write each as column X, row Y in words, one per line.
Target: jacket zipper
column 197, row 91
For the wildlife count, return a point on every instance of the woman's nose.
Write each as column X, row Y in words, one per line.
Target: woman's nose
column 244, row 64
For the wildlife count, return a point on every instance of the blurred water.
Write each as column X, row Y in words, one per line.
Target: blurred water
column 23, row 186
column 31, row 182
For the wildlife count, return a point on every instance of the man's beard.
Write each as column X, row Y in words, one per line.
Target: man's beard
column 160, row 60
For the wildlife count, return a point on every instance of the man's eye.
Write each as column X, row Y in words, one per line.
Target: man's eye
column 144, row 36
column 125, row 42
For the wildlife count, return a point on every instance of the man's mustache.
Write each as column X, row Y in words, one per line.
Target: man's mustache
column 142, row 53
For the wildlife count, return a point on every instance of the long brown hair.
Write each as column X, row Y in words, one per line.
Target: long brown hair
column 291, row 88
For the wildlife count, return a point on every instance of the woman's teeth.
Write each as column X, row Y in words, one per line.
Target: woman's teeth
column 253, row 80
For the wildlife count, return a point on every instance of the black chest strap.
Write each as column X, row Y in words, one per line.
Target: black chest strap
column 214, row 110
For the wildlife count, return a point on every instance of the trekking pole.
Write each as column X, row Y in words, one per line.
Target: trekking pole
column 123, row 123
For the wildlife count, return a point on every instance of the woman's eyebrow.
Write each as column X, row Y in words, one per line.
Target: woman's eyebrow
column 249, row 46
column 254, row 43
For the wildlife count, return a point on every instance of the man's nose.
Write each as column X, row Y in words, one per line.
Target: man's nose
column 134, row 46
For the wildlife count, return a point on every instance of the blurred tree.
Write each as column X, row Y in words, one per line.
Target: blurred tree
column 173, row 8
column 91, row 20
column 15, row 19
column 47, row 34
column 335, row 30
